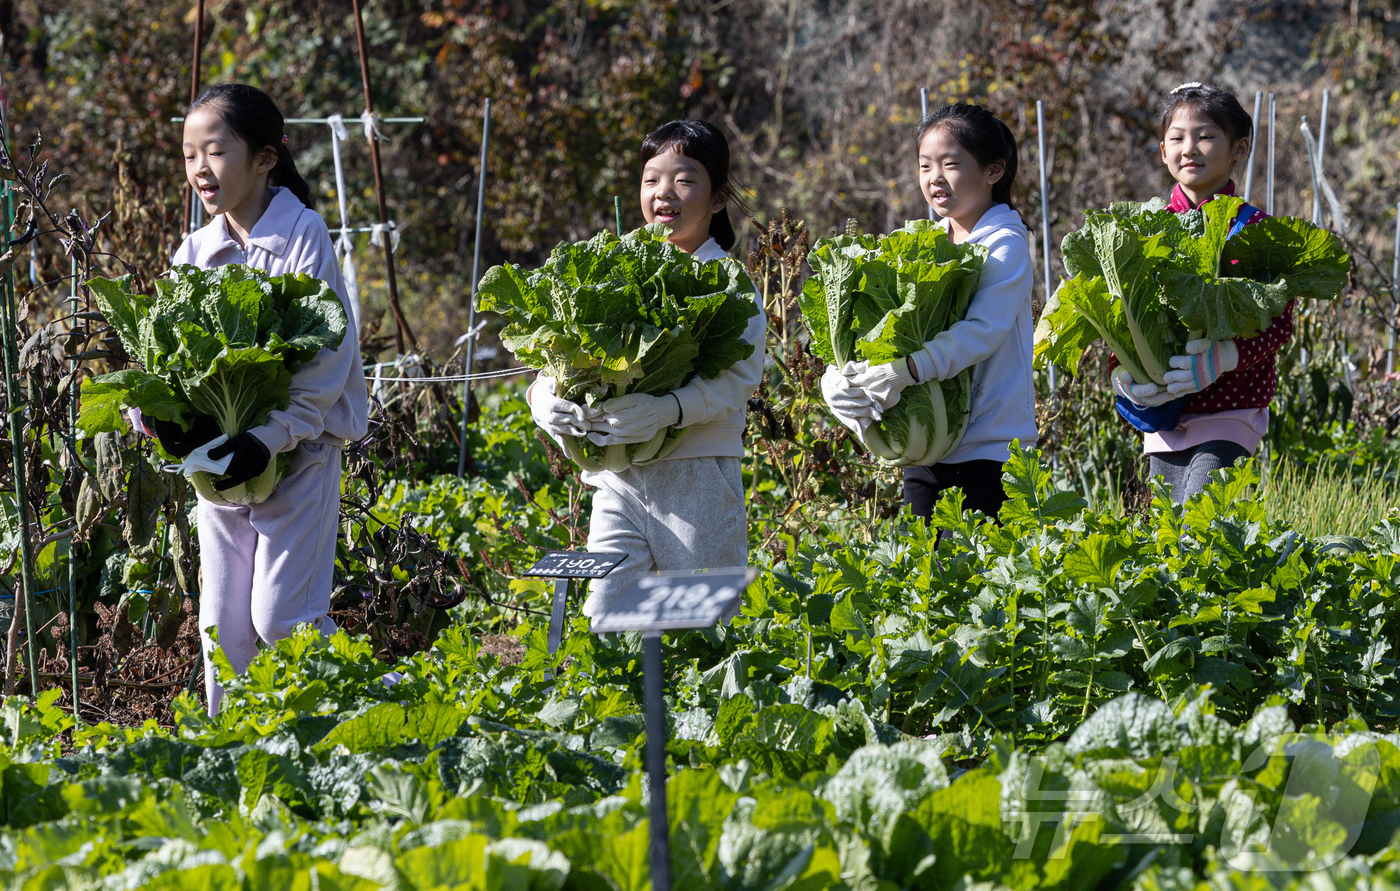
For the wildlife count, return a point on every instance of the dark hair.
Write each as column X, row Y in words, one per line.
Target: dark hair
column 253, row 117
column 1219, row 105
column 985, row 138
column 703, row 142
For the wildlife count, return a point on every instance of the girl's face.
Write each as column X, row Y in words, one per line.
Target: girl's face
column 954, row 184
column 227, row 176
column 676, row 191
column 1199, row 154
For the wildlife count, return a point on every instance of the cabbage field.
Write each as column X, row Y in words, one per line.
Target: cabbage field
column 1099, row 690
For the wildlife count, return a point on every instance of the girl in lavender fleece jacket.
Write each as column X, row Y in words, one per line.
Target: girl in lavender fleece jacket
column 266, row 567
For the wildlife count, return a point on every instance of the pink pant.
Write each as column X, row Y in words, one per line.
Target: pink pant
column 268, row 567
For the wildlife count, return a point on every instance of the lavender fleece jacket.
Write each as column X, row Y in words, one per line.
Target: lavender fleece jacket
column 995, row 341
column 329, row 401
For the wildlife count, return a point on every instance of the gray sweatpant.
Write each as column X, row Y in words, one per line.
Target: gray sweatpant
column 268, row 567
column 682, row 513
column 1186, row 472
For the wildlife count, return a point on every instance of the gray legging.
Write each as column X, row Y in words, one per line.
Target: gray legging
column 1186, row 472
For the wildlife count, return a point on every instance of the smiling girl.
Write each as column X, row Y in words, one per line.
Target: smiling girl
column 266, row 567
column 967, row 165
column 687, row 510
column 1214, row 408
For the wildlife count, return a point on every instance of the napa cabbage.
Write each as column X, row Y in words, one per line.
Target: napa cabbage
column 881, row 298
column 222, row 342
column 1145, row 280
column 612, row 316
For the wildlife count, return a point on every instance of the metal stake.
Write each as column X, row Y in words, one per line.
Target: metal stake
column 923, row 115
column 401, row 329
column 653, row 682
column 12, row 390
column 617, row 214
column 73, row 301
column 1269, row 198
column 1394, row 296
column 190, row 199
column 1253, row 138
column 556, row 614
column 471, row 301
column 1321, row 153
column 1044, row 213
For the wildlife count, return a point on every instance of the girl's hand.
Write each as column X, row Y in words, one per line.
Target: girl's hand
column 635, row 417
column 851, row 405
column 1141, row 395
column 1205, row 361
column 555, row 416
column 885, row 382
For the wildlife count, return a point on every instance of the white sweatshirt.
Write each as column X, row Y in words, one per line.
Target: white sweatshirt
column 329, row 401
column 995, row 337
column 713, row 411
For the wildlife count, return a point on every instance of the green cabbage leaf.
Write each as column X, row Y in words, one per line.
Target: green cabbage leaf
column 222, row 342
column 1145, row 280
column 612, row 316
column 880, row 299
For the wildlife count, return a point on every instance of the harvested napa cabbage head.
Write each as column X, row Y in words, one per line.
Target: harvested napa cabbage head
column 612, row 316
column 1146, row 280
column 881, row 298
column 221, row 342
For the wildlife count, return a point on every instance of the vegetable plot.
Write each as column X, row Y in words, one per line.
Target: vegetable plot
column 1146, row 280
column 223, row 343
column 881, row 299
column 612, row 316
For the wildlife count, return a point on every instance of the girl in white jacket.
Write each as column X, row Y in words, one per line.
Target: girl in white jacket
column 967, row 164
column 687, row 510
column 266, row 567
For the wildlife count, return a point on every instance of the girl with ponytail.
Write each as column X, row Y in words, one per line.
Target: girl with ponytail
column 687, row 510
column 967, row 167
column 267, row 567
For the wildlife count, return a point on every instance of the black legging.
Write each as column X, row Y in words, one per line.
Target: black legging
column 980, row 482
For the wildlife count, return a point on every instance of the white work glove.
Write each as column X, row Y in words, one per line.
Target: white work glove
column 199, row 460
column 851, row 405
column 1141, row 395
column 635, row 417
column 555, row 416
column 885, row 382
column 1204, row 362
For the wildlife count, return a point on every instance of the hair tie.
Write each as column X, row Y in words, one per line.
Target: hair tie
column 284, row 139
column 1195, row 84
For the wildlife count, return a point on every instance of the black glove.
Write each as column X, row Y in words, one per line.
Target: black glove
column 180, row 442
column 250, row 458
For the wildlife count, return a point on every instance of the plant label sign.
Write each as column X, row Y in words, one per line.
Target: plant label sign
column 563, row 566
column 661, row 601
column 574, row 565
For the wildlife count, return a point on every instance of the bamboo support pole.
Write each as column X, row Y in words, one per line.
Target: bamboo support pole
column 471, row 301
column 402, row 332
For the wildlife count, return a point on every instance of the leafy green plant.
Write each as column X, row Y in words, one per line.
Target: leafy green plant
column 881, row 299
column 222, row 342
column 612, row 316
column 1145, row 280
